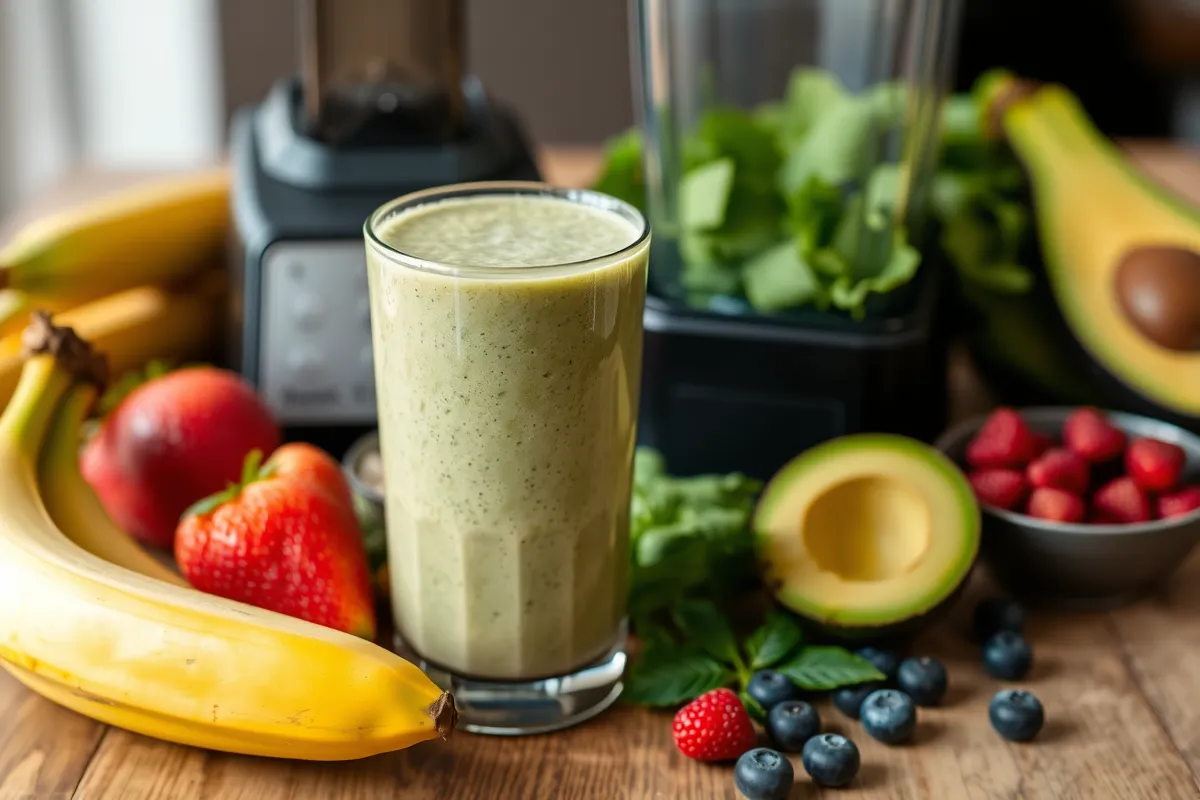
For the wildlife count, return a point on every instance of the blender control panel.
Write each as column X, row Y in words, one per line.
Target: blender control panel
column 315, row 360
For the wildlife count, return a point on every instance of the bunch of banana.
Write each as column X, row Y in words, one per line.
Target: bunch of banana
column 123, row 271
column 128, row 646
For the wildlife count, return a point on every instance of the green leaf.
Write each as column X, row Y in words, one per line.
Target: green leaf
column 813, row 213
column 838, row 149
column 704, row 195
column 753, row 708
column 622, row 175
column 733, row 133
column 772, row 641
column 702, row 622
column 669, row 676
column 713, row 277
column 899, row 269
column 374, row 532
column 811, row 94
column 884, row 186
column 778, row 279
column 824, row 667
column 129, row 381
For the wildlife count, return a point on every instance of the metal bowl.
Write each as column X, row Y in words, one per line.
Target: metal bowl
column 1084, row 566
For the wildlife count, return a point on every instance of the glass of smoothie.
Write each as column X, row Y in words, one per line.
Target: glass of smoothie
column 507, row 331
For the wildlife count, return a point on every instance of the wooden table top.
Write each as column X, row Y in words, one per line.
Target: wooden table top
column 1121, row 690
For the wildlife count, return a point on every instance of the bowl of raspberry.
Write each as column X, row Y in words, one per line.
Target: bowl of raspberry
column 1081, row 508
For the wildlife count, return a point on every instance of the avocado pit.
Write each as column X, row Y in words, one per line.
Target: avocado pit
column 1158, row 291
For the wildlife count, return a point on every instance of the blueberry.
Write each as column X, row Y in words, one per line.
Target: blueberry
column 923, row 679
column 884, row 660
column 889, row 716
column 830, row 760
column 1016, row 715
column 848, row 699
column 995, row 614
column 771, row 688
column 763, row 774
column 1007, row 656
column 791, row 724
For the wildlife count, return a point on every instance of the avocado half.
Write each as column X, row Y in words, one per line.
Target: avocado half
column 1121, row 254
column 867, row 534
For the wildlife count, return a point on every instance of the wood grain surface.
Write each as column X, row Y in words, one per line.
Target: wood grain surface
column 1121, row 690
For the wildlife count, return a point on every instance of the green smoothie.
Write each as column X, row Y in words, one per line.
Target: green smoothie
column 507, row 331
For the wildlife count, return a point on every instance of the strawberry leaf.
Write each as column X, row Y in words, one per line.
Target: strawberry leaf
column 824, row 667
column 667, row 675
column 702, row 622
column 773, row 641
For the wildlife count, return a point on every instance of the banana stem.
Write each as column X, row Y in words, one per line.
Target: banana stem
column 55, row 358
column 27, row 416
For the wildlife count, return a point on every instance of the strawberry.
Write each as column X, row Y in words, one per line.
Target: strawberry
column 283, row 540
column 1004, row 440
column 1003, row 488
column 714, row 727
column 1180, row 502
column 1154, row 465
column 1042, row 443
column 312, row 465
column 1059, row 468
column 1122, row 500
column 171, row 441
column 1056, row 505
column 1089, row 434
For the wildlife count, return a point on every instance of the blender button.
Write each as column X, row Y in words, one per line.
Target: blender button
column 308, row 312
column 306, row 364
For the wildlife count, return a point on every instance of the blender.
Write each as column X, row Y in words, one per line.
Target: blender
column 382, row 106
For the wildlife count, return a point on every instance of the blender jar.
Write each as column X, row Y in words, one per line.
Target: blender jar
column 788, row 151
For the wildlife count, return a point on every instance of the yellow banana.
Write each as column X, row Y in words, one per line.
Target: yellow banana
column 70, row 501
column 150, row 233
column 174, row 663
column 16, row 307
column 134, row 326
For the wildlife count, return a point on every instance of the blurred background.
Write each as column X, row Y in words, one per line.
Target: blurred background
column 150, row 84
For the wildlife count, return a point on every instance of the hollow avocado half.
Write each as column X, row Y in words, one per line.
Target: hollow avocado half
column 1121, row 253
column 867, row 535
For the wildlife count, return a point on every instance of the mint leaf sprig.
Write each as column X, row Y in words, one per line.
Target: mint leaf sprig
column 707, row 656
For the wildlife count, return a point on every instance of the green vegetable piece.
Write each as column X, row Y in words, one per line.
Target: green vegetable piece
column 668, row 675
column 811, row 94
column 839, row 148
column 622, row 176
column 772, row 641
column 779, row 279
column 711, row 277
column 899, row 268
column 883, row 192
column 823, row 667
column 813, row 213
column 703, row 623
column 704, row 195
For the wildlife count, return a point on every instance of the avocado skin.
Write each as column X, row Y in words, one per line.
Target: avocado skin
column 1061, row 372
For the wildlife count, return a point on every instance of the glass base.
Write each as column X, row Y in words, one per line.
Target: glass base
column 522, row 708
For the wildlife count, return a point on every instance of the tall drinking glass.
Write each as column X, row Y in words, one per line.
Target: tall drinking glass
column 507, row 331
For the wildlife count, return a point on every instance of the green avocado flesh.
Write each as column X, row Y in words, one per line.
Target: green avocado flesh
column 866, row 532
column 1094, row 209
